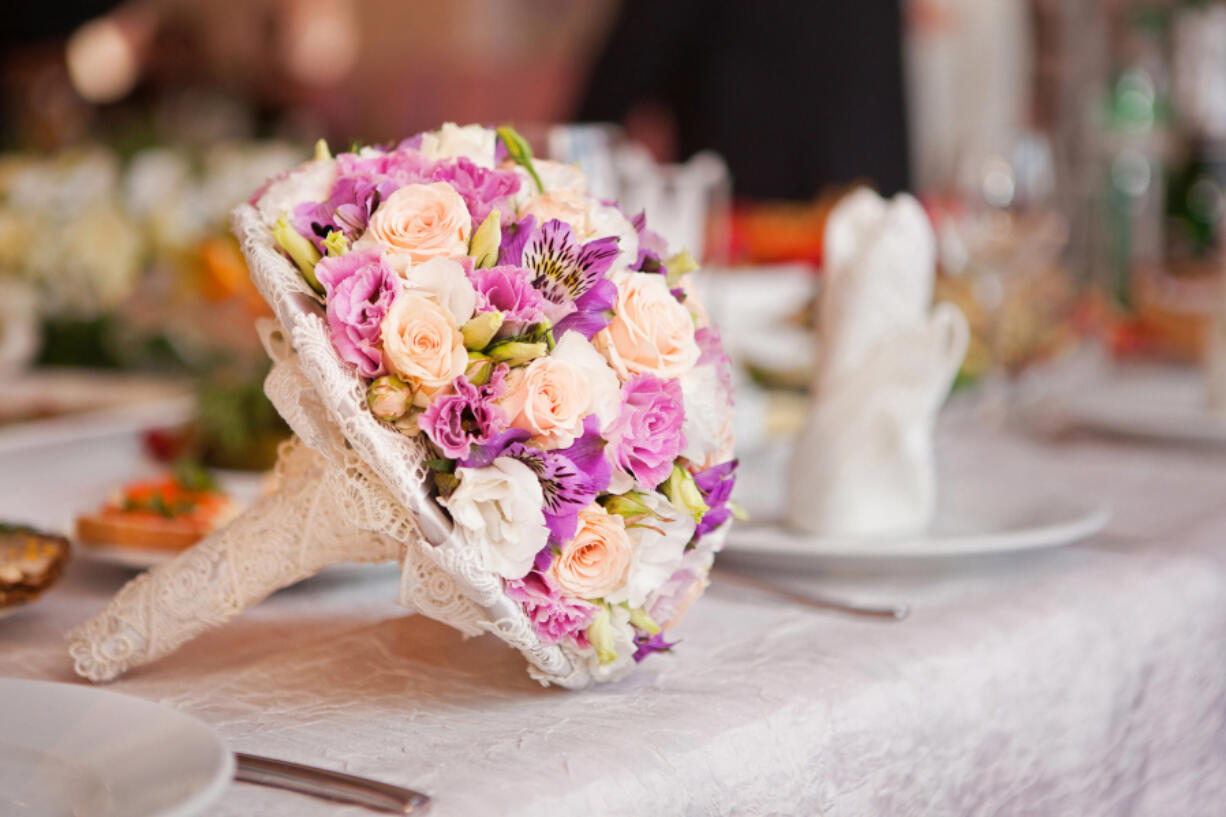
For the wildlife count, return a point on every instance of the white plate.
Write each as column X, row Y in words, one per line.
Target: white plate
column 1146, row 402
column 966, row 526
column 79, row 751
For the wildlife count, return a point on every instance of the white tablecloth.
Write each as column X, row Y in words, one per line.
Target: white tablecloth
column 1084, row 681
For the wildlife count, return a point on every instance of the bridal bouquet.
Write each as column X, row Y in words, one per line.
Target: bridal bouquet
column 551, row 355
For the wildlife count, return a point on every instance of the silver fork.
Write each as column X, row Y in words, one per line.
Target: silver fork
column 344, row 788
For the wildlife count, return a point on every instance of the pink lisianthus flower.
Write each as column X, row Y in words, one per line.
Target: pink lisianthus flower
column 468, row 416
column 360, row 289
column 508, row 289
column 647, row 435
column 482, row 190
column 553, row 615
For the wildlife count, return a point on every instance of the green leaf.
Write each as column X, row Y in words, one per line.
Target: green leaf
column 520, row 152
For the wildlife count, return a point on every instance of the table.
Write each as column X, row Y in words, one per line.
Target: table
column 1085, row 681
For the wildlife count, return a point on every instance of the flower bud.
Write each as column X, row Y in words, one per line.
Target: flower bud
column 321, row 150
column 630, row 505
column 389, row 397
column 600, row 633
column 480, row 331
column 483, row 249
column 683, row 492
column 641, row 619
column 678, row 265
column 301, row 251
column 517, row 352
column 336, row 244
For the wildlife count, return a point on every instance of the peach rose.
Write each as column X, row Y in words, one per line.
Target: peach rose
column 419, row 222
column 422, row 344
column 594, row 563
column 651, row 333
column 551, row 396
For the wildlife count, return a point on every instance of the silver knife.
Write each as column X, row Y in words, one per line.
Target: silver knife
column 344, row 788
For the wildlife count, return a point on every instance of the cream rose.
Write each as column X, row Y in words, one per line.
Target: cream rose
column 594, row 563
column 422, row 343
column 473, row 142
column 419, row 222
column 551, row 396
column 651, row 333
column 500, row 508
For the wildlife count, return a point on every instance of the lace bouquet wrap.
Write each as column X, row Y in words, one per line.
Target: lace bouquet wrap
column 494, row 378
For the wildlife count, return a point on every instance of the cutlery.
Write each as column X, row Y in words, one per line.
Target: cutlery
column 344, row 788
column 889, row 612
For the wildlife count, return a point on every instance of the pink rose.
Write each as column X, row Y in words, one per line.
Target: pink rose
column 595, row 562
column 419, row 222
column 551, row 396
column 651, row 333
column 422, row 344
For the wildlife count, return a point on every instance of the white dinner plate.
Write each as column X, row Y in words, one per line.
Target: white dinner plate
column 79, row 751
column 1146, row 402
column 964, row 526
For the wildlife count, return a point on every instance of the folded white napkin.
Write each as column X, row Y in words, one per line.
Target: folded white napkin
column 864, row 462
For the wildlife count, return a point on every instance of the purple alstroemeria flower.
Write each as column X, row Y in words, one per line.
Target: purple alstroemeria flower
column 553, row 616
column 571, row 478
column 482, row 190
column 647, row 435
column 564, row 271
column 715, row 484
column 646, row 646
column 360, row 288
column 468, row 416
column 508, row 289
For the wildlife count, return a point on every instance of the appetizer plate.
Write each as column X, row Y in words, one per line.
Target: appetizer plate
column 965, row 526
column 84, row 752
column 244, row 487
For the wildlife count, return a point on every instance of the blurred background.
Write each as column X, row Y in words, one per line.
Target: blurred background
column 1071, row 155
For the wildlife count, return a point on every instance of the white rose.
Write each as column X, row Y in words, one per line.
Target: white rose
column 708, row 425
column 311, row 182
column 500, row 510
column 658, row 550
column 445, row 282
column 451, row 141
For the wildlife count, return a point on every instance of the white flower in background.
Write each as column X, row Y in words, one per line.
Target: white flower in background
column 311, row 182
column 658, row 549
column 445, row 282
column 499, row 508
column 451, row 141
